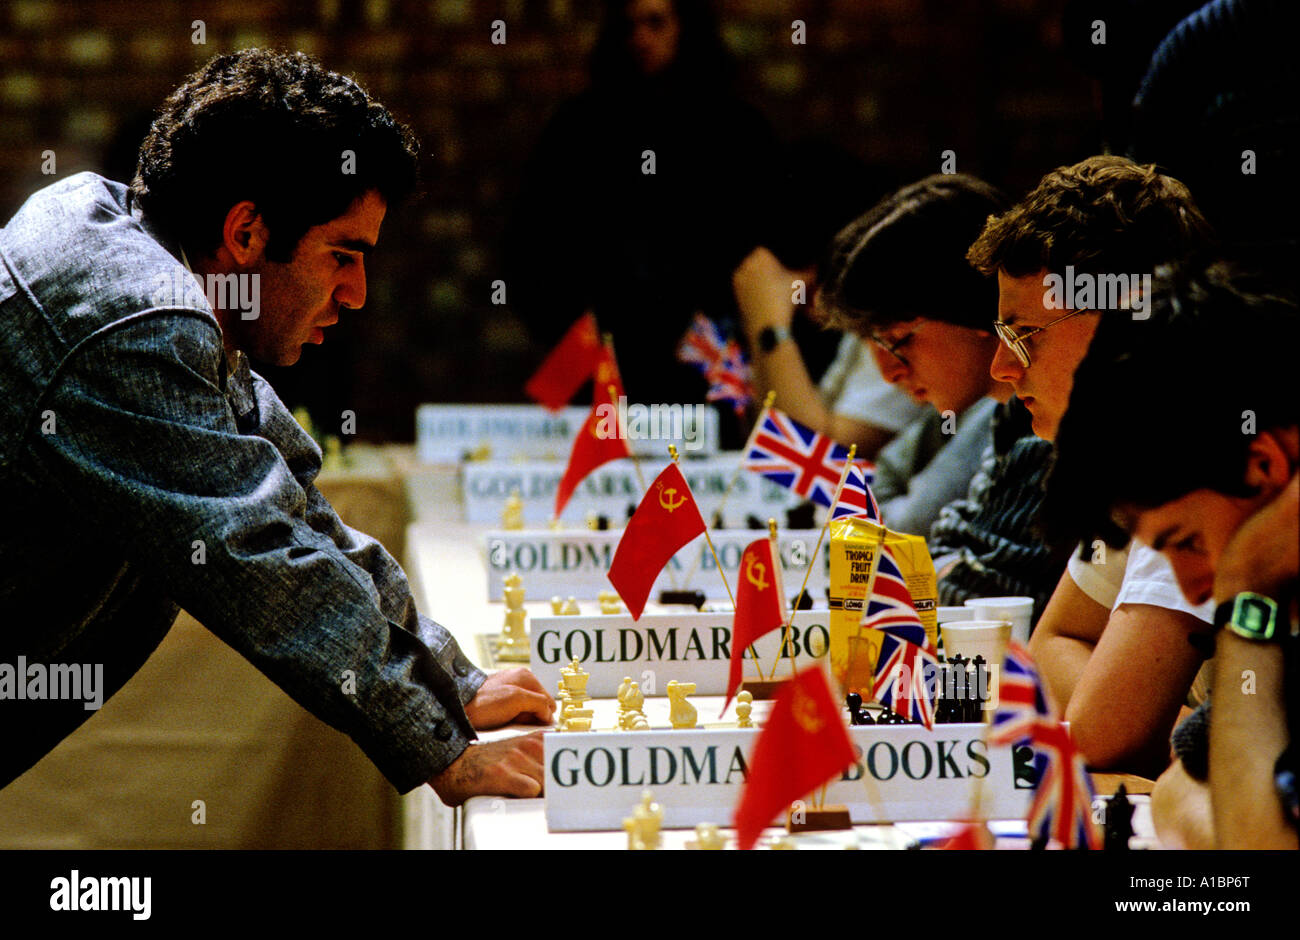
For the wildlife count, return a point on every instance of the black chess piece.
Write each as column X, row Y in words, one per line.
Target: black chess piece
column 717, row 520
column 854, row 701
column 980, row 693
column 1119, row 821
column 802, row 601
column 958, row 688
column 753, row 522
column 631, row 510
column 602, row 523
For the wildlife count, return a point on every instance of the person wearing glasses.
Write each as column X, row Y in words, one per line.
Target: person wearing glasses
column 1113, row 644
column 897, row 277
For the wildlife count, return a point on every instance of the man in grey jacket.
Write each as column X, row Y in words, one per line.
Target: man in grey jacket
column 145, row 467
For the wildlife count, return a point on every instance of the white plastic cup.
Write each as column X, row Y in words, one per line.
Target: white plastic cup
column 950, row 614
column 1018, row 611
column 987, row 638
column 971, row 638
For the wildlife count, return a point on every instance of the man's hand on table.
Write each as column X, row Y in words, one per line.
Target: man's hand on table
column 509, row 767
column 512, row 696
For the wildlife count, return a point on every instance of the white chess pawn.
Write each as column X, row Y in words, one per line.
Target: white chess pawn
column 744, row 705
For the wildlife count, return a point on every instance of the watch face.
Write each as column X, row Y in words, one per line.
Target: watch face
column 1254, row 615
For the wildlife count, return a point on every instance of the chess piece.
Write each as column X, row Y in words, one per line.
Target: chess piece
column 681, row 713
column 609, row 602
column 593, row 522
column 555, row 525
column 557, row 606
column 573, row 682
column 561, row 701
column 707, row 838
column 744, row 705
column 644, row 823
column 570, row 608
column 854, row 701
column 979, row 688
column 512, row 517
column 513, row 645
column 303, row 417
column 630, row 701
column 1119, row 821
column 333, row 459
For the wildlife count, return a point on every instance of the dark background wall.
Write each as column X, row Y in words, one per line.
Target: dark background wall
column 895, row 82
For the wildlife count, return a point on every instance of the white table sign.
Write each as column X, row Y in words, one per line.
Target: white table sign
column 444, row 433
column 904, row 773
column 688, row 647
column 609, row 490
column 576, row 563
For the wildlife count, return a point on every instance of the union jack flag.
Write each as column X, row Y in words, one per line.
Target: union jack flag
column 1062, row 806
column 729, row 378
column 906, row 657
column 1022, row 703
column 796, row 457
column 904, row 678
column 720, row 359
column 703, row 344
column 856, row 498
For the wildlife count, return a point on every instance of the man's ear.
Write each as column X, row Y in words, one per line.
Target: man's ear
column 1267, row 466
column 244, row 234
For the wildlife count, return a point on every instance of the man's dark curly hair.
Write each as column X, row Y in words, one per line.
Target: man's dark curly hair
column 1103, row 215
column 271, row 128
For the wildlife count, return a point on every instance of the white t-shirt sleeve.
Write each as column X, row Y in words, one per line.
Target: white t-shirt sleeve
column 1149, row 579
column 1100, row 580
column 854, row 387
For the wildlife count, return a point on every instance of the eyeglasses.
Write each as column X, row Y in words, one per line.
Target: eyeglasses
column 892, row 348
column 1016, row 341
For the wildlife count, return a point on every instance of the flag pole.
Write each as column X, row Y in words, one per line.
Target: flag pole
column 735, row 476
column 672, row 452
column 789, row 621
column 844, row 475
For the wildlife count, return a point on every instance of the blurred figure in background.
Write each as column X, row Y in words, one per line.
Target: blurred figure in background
column 643, row 195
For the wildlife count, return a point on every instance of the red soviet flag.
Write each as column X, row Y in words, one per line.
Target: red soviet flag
column 568, row 365
column 803, row 745
column 665, row 521
column 760, row 605
column 600, row 439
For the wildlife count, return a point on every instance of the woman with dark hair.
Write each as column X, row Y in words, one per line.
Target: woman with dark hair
column 639, row 200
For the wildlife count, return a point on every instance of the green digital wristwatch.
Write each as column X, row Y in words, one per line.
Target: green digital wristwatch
column 1251, row 616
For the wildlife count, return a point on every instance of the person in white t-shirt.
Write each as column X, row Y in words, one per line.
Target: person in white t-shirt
column 1120, row 608
column 853, row 404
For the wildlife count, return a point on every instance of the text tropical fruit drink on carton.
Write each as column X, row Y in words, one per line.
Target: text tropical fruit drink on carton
column 854, row 545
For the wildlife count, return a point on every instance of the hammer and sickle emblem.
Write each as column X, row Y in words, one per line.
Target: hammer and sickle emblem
column 757, row 581
column 666, row 499
column 805, row 713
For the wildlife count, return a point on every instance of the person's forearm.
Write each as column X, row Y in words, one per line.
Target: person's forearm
column 1061, row 661
column 783, row 371
column 1247, row 735
column 1180, row 810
